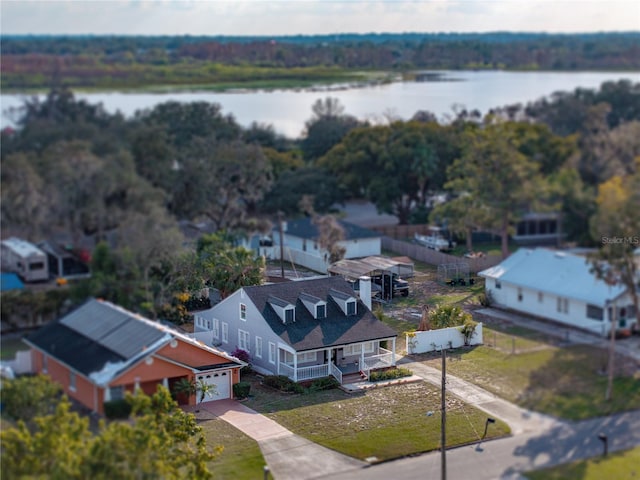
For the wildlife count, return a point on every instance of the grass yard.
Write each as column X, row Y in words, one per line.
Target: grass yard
column 620, row 466
column 385, row 423
column 565, row 382
column 240, row 457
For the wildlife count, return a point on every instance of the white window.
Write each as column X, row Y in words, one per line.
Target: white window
column 243, row 311
column 209, row 325
column 289, row 315
column 288, row 358
column 272, row 352
column 321, row 311
column 258, row 352
column 355, row 349
column 498, row 284
column 306, row 357
column 225, row 332
column 72, row 381
column 562, row 305
column 243, row 341
column 216, row 328
column 519, row 294
column 116, row 393
column 368, row 347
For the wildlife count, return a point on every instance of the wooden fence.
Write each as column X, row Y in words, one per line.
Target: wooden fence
column 433, row 257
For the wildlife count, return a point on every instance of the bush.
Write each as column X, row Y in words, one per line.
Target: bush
column 28, row 396
column 448, row 316
column 241, row 389
column 117, row 409
column 468, row 330
column 283, row 383
column 326, row 383
column 485, row 299
column 390, row 374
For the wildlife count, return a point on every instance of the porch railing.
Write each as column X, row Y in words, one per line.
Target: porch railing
column 314, row 371
column 335, row 371
column 378, row 361
column 304, row 373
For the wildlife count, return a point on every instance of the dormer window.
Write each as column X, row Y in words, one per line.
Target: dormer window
column 315, row 306
column 285, row 310
column 345, row 301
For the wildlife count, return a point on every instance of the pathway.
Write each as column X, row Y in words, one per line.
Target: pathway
column 289, row 456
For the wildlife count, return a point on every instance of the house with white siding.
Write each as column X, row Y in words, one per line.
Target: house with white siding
column 301, row 245
column 303, row 329
column 559, row 286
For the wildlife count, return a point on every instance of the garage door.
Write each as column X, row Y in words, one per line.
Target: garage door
column 222, row 382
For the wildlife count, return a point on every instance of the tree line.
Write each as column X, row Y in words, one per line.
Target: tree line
column 90, row 61
column 129, row 184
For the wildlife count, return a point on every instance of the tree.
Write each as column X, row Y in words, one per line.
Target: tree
column 326, row 128
column 615, row 227
column 228, row 267
column 159, row 440
column 502, row 181
column 444, row 316
column 193, row 387
column 24, row 398
column 393, row 166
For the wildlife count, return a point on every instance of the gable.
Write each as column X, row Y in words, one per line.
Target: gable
column 191, row 354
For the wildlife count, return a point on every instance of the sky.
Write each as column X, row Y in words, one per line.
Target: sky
column 308, row 17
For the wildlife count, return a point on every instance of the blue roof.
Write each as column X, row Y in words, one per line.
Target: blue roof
column 10, row 281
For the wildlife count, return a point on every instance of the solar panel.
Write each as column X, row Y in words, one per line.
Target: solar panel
column 131, row 338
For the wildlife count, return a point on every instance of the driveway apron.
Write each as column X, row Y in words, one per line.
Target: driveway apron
column 288, row 456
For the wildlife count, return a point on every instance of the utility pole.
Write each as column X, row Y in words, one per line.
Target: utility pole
column 280, row 229
column 612, row 350
column 443, row 425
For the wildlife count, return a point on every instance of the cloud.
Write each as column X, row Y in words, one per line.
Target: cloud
column 291, row 17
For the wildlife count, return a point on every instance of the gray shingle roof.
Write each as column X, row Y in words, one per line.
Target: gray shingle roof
column 304, row 228
column 308, row 333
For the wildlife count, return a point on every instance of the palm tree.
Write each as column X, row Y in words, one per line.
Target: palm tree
column 191, row 387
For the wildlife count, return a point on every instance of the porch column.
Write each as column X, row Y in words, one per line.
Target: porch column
column 295, row 367
column 165, row 383
column 393, row 351
column 362, row 357
column 107, row 394
column 136, row 386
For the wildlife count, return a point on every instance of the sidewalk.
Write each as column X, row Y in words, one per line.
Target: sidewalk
column 289, row 456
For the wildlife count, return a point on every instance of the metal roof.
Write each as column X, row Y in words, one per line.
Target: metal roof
column 555, row 272
column 354, row 269
column 22, row 247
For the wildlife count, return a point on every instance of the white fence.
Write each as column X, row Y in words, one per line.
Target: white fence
column 434, row 340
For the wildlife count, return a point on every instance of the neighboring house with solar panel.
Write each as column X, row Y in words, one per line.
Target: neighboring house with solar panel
column 303, row 329
column 559, row 286
column 100, row 350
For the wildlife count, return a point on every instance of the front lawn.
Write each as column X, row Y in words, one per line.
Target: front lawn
column 621, row 466
column 385, row 423
column 565, row 382
column 241, row 456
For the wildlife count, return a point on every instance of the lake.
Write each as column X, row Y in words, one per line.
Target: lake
column 288, row 110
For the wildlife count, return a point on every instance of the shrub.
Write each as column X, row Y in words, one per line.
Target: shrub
column 468, row 330
column 283, row 383
column 390, row 374
column 117, row 409
column 241, row 389
column 448, row 316
column 27, row 396
column 326, row 383
column 485, row 299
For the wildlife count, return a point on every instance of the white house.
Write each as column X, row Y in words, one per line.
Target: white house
column 300, row 242
column 303, row 329
column 558, row 286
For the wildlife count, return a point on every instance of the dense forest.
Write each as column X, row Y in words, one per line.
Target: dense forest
column 126, row 186
column 39, row 62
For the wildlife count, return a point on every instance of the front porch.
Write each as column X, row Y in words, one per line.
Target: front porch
column 339, row 362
